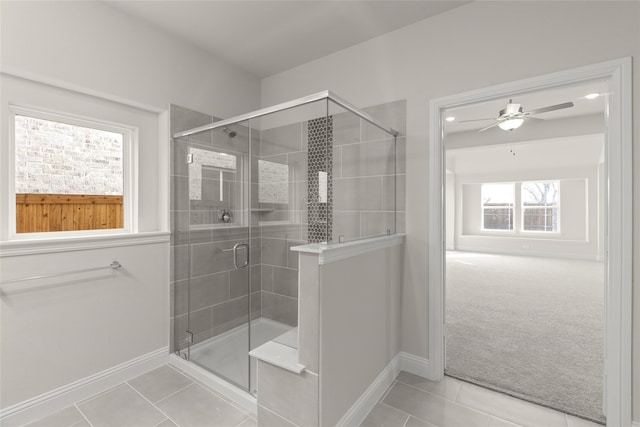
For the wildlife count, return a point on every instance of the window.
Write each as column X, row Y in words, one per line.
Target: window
column 70, row 174
column 497, row 206
column 540, row 206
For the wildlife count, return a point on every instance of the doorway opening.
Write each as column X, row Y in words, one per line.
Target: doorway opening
column 524, row 282
column 614, row 246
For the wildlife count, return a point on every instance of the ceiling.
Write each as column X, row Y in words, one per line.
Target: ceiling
column 266, row 37
column 530, row 101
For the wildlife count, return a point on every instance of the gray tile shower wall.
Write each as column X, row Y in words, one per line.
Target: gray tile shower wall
column 282, row 225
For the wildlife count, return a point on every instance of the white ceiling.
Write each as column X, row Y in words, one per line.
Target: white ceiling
column 266, row 37
column 531, row 101
column 576, row 151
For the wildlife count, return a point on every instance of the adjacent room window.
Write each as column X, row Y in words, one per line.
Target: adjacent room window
column 497, row 206
column 69, row 173
column 539, row 201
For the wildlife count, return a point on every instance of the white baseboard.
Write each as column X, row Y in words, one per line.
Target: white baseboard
column 239, row 396
column 372, row 395
column 635, row 423
column 58, row 399
column 414, row 364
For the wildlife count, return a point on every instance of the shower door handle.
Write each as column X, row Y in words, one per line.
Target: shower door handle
column 235, row 254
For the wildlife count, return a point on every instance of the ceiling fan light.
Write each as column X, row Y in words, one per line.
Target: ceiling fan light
column 511, row 124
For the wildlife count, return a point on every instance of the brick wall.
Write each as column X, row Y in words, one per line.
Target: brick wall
column 58, row 158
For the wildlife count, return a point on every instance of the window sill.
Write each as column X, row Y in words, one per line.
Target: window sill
column 79, row 243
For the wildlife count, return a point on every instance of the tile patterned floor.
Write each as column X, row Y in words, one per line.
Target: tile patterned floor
column 413, row 401
column 165, row 397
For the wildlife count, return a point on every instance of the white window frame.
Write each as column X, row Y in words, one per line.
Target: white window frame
column 513, row 210
column 129, row 169
column 557, row 206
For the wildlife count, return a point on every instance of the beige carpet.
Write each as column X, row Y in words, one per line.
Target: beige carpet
column 529, row 327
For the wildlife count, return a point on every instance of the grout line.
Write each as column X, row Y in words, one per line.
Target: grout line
column 482, row 411
column 82, row 413
column 277, row 415
column 406, row 421
column 460, row 384
column 243, row 421
column 152, row 404
column 168, row 396
column 386, row 393
column 96, row 395
column 448, row 400
column 407, row 413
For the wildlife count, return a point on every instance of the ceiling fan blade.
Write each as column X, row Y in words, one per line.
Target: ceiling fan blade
column 489, row 127
column 533, row 118
column 476, row 120
column 551, row 108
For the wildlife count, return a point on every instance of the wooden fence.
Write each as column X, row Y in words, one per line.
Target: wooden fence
column 67, row 212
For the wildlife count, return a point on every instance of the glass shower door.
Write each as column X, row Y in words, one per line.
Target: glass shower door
column 219, row 306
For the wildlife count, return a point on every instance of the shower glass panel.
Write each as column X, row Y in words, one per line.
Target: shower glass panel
column 363, row 177
column 218, row 289
column 289, row 208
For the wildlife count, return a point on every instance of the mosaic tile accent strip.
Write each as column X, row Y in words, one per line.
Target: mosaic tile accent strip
column 320, row 179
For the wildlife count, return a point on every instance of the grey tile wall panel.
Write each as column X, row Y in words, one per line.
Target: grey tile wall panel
column 372, row 158
column 282, row 139
column 267, row 277
column 275, row 253
column 391, row 114
column 357, row 194
column 346, row 128
column 286, row 281
column 280, row 308
column 209, row 290
column 230, row 314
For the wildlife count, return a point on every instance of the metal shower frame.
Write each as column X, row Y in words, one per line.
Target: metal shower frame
column 286, row 106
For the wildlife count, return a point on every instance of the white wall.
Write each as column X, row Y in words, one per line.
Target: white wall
column 88, row 323
column 573, row 160
column 359, row 326
column 457, row 52
column 94, row 46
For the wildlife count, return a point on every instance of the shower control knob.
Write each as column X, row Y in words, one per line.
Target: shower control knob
column 225, row 216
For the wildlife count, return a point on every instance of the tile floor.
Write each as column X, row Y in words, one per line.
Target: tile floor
column 166, row 397
column 413, row 401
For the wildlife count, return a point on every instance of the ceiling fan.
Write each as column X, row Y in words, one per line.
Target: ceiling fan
column 512, row 116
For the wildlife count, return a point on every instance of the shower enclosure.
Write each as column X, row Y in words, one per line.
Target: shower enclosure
column 243, row 192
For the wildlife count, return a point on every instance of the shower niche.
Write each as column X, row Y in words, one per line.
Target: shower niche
column 244, row 191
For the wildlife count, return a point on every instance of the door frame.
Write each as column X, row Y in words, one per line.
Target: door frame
column 618, row 176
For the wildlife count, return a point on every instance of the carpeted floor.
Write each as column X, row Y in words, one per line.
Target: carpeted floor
column 529, row 327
